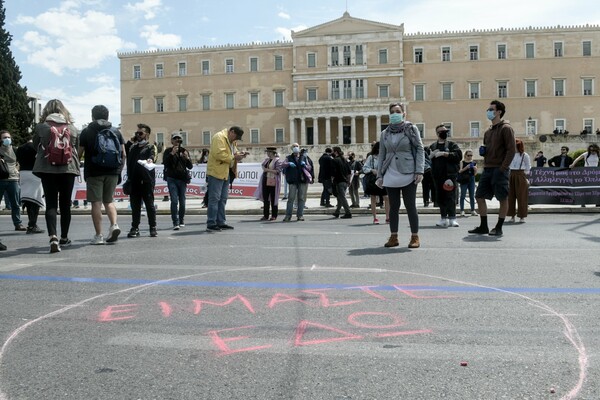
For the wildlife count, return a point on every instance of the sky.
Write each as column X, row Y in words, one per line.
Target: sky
column 67, row 49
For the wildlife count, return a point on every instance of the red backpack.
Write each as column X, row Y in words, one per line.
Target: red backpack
column 59, row 150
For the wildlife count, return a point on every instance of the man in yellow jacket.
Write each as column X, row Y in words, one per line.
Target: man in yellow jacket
column 222, row 158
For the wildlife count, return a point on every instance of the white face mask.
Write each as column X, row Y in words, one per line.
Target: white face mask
column 7, row 141
column 296, row 150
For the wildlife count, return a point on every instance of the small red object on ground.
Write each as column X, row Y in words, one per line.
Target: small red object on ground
column 463, row 364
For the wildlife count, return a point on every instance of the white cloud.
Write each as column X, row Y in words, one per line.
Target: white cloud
column 155, row 38
column 102, row 79
column 287, row 32
column 70, row 40
column 283, row 15
column 149, row 8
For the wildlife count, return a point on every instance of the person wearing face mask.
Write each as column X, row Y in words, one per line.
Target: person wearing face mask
column 355, row 168
column 400, row 170
column 142, row 180
column 10, row 184
column 445, row 158
column 298, row 175
column 498, row 151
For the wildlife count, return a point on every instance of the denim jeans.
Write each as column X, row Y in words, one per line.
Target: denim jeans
column 470, row 186
column 217, row 199
column 177, row 188
column 13, row 198
column 296, row 190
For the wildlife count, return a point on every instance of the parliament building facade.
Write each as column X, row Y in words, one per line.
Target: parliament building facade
column 332, row 84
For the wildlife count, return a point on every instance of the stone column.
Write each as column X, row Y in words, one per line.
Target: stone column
column 302, row 136
column 327, row 130
column 292, row 130
column 340, row 131
column 378, row 126
column 365, row 129
column 315, row 130
column 353, row 129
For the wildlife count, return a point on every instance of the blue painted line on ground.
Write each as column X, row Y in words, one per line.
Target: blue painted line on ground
column 280, row 285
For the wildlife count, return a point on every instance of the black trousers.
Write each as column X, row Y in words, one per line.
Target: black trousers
column 142, row 191
column 446, row 200
column 58, row 189
column 326, row 193
column 33, row 211
column 269, row 202
column 428, row 187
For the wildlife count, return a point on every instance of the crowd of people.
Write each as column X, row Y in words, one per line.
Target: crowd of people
column 42, row 173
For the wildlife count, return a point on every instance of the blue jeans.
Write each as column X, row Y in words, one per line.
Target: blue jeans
column 217, row 199
column 13, row 197
column 470, row 186
column 296, row 190
column 177, row 189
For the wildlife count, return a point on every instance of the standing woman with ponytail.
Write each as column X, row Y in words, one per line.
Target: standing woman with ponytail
column 400, row 170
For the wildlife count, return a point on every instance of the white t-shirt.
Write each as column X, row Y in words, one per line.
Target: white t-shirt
column 591, row 161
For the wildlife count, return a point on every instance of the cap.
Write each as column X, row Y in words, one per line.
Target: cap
column 176, row 135
column 448, row 185
column 274, row 149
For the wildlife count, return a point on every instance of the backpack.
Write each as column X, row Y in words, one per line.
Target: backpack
column 107, row 150
column 59, row 150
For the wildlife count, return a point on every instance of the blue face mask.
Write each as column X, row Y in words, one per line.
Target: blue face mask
column 396, row 118
column 6, row 141
column 491, row 115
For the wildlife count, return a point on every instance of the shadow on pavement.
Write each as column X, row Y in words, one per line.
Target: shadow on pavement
column 373, row 251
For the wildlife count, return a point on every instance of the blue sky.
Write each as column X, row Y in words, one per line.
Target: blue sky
column 67, row 49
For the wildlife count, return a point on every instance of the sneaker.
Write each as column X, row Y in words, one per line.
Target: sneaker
column 375, row 221
column 213, row 228
column 113, row 233
column 54, row 246
column 153, row 232
column 20, row 228
column 64, row 242
column 511, row 221
column 480, row 231
column 225, row 226
column 181, row 224
column 453, row 223
column 442, row 223
column 264, row 218
column 521, row 220
column 300, row 219
column 495, row 232
column 97, row 239
column 175, row 227
column 273, row 219
column 34, row 229
column 462, row 213
column 346, row 216
column 336, row 215
column 133, row 233
column 474, row 213
column 287, row 219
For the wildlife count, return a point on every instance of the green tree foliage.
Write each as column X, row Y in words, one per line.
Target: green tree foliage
column 15, row 114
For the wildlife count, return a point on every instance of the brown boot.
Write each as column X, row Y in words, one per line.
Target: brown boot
column 392, row 241
column 414, row 242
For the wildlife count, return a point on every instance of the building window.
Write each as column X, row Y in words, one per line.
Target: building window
column 586, row 48
column 531, row 127
column 311, row 94
column 446, row 91
column 474, row 128
column 359, row 55
column 160, row 138
column 254, row 136
column 137, row 72
column 420, row 92
column 184, row 137
column 418, row 55
column 335, row 56
column 558, row 49
column 311, row 60
column 360, row 89
column 137, row 105
column 530, row 88
column 182, row 103
column 182, row 68
column 347, row 89
column 529, row 50
column 335, row 90
column 229, row 66
column 588, row 126
column 384, row 91
column 253, row 64
column 588, row 86
column 445, row 53
column 279, row 98
column 474, row 90
column 278, row 63
column 383, row 56
column 205, row 102
column 474, row 52
column 501, row 52
column 347, row 55
column 421, row 128
column 160, row 104
column 229, row 101
column 159, row 70
column 559, row 87
column 560, row 125
column 279, row 135
column 205, row 67
column 254, row 100
column 206, row 138
column 502, row 89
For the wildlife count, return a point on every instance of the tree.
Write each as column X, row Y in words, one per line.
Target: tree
column 15, row 113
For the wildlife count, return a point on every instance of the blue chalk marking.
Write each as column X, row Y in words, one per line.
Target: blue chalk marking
column 279, row 285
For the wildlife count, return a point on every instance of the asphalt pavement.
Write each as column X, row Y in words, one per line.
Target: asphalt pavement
column 305, row 310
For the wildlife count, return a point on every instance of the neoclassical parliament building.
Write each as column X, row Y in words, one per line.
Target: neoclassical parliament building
column 332, row 83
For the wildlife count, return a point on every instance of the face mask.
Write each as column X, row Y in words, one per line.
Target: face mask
column 396, row 118
column 443, row 135
column 296, row 150
column 6, row 141
column 142, row 142
column 491, row 115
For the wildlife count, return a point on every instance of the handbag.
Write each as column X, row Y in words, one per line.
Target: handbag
column 4, row 172
column 371, row 186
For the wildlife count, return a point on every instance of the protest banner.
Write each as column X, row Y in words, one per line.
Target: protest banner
column 564, row 186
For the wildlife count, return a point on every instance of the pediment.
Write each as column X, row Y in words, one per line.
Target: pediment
column 347, row 25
